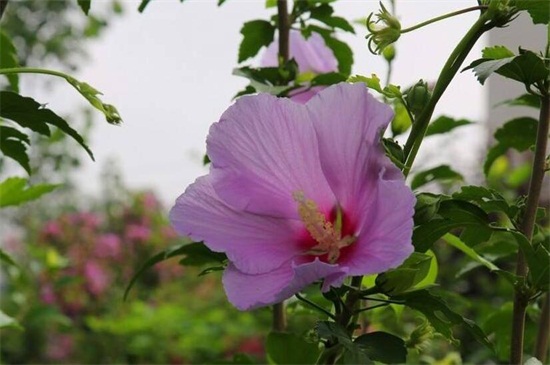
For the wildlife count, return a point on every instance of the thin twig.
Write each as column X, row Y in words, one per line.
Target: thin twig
column 541, row 346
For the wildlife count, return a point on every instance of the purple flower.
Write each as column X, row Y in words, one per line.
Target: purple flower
column 96, row 278
column 311, row 55
column 299, row 193
column 108, row 245
column 138, row 232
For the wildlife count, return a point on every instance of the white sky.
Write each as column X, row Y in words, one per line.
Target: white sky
column 168, row 71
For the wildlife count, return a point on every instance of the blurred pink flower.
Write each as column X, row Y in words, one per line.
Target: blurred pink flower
column 97, row 279
column 311, row 55
column 137, row 232
column 299, row 193
column 59, row 347
column 47, row 294
column 150, row 201
column 52, row 229
column 108, row 245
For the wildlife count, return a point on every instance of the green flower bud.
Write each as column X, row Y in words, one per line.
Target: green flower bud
column 381, row 37
column 421, row 336
column 389, row 53
column 417, row 97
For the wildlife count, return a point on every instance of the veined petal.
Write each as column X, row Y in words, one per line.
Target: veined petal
column 252, row 291
column 348, row 122
column 385, row 226
column 255, row 244
column 262, row 151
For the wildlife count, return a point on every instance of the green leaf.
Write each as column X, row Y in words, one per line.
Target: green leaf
column 334, row 333
column 451, row 214
column 394, row 151
column 197, row 254
column 8, row 59
column 454, row 241
column 14, row 191
column 270, row 4
column 488, row 199
column 6, row 258
column 176, row 250
column 289, row 348
column 401, row 121
column 496, row 53
column 13, row 145
column 538, row 260
column 328, row 79
column 85, row 5
column 28, row 113
column 383, row 347
column 256, row 34
column 411, row 272
column 527, row 68
column 441, row 173
column 445, row 124
column 427, row 205
column 440, row 316
column 8, row 322
column 265, row 79
column 539, row 10
column 323, row 13
column 373, row 82
column 220, row 2
column 528, row 100
column 519, row 134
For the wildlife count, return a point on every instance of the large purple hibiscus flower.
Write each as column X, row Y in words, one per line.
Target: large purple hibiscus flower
column 299, row 193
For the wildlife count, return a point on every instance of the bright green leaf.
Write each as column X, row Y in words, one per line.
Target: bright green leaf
column 457, row 243
column 8, row 322
column 256, row 34
column 8, row 59
column 496, row 52
column 445, row 124
column 289, row 348
column 383, row 347
column 14, row 191
column 439, row 173
column 401, row 121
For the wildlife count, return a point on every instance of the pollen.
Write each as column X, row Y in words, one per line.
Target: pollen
column 328, row 235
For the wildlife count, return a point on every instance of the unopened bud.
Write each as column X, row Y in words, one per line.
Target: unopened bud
column 389, row 53
column 418, row 97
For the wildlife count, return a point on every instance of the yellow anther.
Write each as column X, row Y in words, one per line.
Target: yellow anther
column 329, row 237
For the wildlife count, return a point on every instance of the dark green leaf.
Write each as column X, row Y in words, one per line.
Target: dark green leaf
column 394, row 151
column 337, row 335
column 406, row 276
column 143, row 5
column 383, row 347
column 440, row 316
column 6, row 258
column 539, row 10
column 445, row 124
column 427, row 205
column 220, row 2
column 328, row 79
column 519, row 134
column 529, row 100
column 323, row 13
column 28, row 113
column 197, row 254
column 85, row 5
column 538, row 260
column 8, row 59
column 14, row 191
column 256, row 34
column 13, row 145
column 289, row 348
column 441, row 173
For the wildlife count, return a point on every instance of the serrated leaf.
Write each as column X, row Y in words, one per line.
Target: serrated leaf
column 29, row 114
column 353, row 354
column 440, row 316
column 373, row 82
column 256, row 34
column 14, row 191
column 439, row 173
column 518, row 134
column 8, row 322
column 8, row 59
column 497, row 52
column 445, row 124
column 85, row 5
column 454, row 241
column 91, row 94
column 383, row 347
column 289, row 348
column 13, row 144
column 539, row 10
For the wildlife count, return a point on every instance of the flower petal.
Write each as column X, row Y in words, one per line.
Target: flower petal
column 311, row 55
column 255, row 244
column 252, row 291
column 385, row 228
column 348, row 121
column 262, row 150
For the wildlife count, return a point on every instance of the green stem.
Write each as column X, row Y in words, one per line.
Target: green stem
column 521, row 299
column 315, row 305
column 32, row 70
column 541, row 346
column 448, row 72
column 442, row 17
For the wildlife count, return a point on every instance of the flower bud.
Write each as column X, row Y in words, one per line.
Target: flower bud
column 417, row 97
column 382, row 37
column 389, row 53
